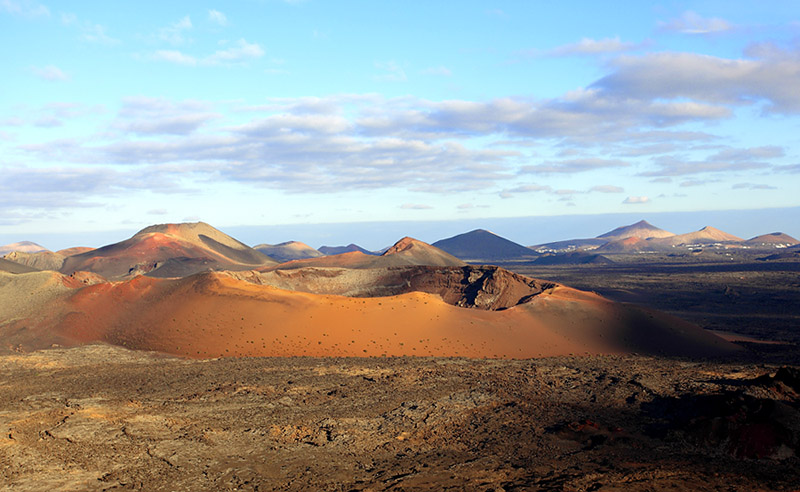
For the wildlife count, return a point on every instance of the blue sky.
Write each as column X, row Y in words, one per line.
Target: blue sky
column 122, row 114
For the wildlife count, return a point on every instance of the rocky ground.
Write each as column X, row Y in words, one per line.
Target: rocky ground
column 718, row 290
column 105, row 418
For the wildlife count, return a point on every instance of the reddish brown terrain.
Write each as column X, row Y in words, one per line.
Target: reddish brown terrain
column 182, row 359
column 413, row 300
column 168, row 250
column 98, row 418
column 435, row 311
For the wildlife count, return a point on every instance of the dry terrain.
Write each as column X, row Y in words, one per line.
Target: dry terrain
column 725, row 290
column 409, row 370
column 105, row 418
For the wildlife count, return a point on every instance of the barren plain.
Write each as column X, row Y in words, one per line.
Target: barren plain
column 105, row 418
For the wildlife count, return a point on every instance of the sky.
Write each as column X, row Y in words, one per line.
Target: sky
column 117, row 115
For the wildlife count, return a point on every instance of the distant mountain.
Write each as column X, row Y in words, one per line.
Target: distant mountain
column 405, row 252
column 705, row 235
column 337, row 250
column 188, row 248
column 612, row 241
column 22, row 246
column 627, row 245
column 290, row 250
column 641, row 229
column 643, row 236
column 479, row 245
column 772, row 239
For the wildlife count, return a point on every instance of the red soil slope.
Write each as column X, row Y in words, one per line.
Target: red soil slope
column 175, row 249
column 214, row 314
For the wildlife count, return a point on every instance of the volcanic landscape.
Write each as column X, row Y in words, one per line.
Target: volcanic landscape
column 183, row 359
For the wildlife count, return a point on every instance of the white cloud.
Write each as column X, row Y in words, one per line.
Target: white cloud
column 96, row 33
column 725, row 160
column 48, row 122
column 753, row 186
column 57, row 187
column 309, row 124
column 50, row 73
column 529, row 188
column 175, row 56
column 748, row 154
column 240, row 52
column 89, row 31
column 706, row 80
column 367, row 142
column 25, row 8
column 415, row 206
column 790, row 168
column 51, row 114
column 391, row 71
column 636, row 200
column 573, row 165
column 297, row 152
column 563, row 192
column 588, row 46
column 174, row 33
column 607, row 189
column 439, row 71
column 156, row 116
column 217, row 17
column 693, row 23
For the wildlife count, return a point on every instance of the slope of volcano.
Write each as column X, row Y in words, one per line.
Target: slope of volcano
column 641, row 230
column 772, row 239
column 707, row 234
column 169, row 250
column 215, row 314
